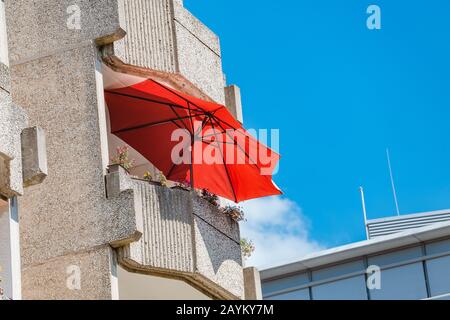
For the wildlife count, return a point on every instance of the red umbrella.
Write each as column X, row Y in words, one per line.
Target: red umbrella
column 165, row 125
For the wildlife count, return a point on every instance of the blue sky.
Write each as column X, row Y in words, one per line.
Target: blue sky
column 340, row 94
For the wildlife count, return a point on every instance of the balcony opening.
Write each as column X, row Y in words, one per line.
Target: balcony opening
column 184, row 236
column 9, row 250
column 134, row 286
column 140, row 165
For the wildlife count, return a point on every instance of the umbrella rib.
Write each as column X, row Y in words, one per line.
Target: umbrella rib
column 224, row 164
column 145, row 99
column 150, row 125
column 237, row 145
column 170, row 171
column 178, row 116
column 191, row 173
column 211, row 135
column 179, row 96
column 210, row 142
column 179, row 127
column 217, row 120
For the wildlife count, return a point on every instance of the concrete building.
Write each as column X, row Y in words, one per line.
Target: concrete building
column 405, row 258
column 90, row 230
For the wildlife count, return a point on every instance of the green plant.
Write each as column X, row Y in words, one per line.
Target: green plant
column 184, row 185
column 147, row 176
column 122, row 158
column 162, row 179
column 210, row 197
column 234, row 212
column 247, row 248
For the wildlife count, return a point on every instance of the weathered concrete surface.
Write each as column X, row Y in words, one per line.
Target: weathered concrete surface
column 34, row 156
column 54, row 78
column 217, row 247
column 59, row 93
column 162, row 35
column 252, row 282
column 45, row 27
column 83, row 275
column 199, row 56
column 186, row 238
column 233, row 102
column 12, row 121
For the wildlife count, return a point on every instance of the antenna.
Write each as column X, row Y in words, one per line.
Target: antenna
column 392, row 181
column 363, row 201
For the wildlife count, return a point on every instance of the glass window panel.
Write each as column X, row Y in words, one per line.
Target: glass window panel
column 402, row 283
column 438, row 247
column 294, row 295
column 346, row 289
column 396, row 256
column 338, row 270
column 284, row 283
column 439, row 275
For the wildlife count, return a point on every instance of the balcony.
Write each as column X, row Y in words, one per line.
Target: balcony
column 166, row 40
column 184, row 237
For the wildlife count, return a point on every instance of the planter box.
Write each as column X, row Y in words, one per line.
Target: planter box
column 184, row 237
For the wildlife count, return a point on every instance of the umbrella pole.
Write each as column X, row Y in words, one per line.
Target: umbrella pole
column 192, row 162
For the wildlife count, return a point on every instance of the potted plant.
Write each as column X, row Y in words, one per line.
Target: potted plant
column 247, row 248
column 210, row 197
column 185, row 185
column 122, row 159
column 147, row 176
column 234, row 212
column 163, row 180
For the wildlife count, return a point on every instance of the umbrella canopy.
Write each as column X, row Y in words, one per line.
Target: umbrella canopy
column 192, row 140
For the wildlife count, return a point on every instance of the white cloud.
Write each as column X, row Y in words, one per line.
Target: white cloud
column 279, row 231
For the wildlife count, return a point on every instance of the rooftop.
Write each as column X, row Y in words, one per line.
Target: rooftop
column 354, row 250
column 390, row 225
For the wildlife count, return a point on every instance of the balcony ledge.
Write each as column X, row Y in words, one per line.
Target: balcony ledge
column 186, row 238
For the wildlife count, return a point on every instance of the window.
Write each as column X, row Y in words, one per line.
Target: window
column 338, row 270
column 439, row 276
column 346, row 289
column 302, row 294
column 396, row 257
column 402, row 283
column 284, row 283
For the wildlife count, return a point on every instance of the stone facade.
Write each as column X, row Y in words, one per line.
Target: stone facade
column 164, row 36
column 82, row 216
column 22, row 164
column 12, row 121
column 55, row 79
column 184, row 237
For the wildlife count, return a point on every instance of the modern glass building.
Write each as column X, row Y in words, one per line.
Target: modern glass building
column 407, row 265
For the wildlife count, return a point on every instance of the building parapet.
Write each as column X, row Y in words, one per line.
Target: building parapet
column 163, row 36
column 386, row 226
column 184, row 237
